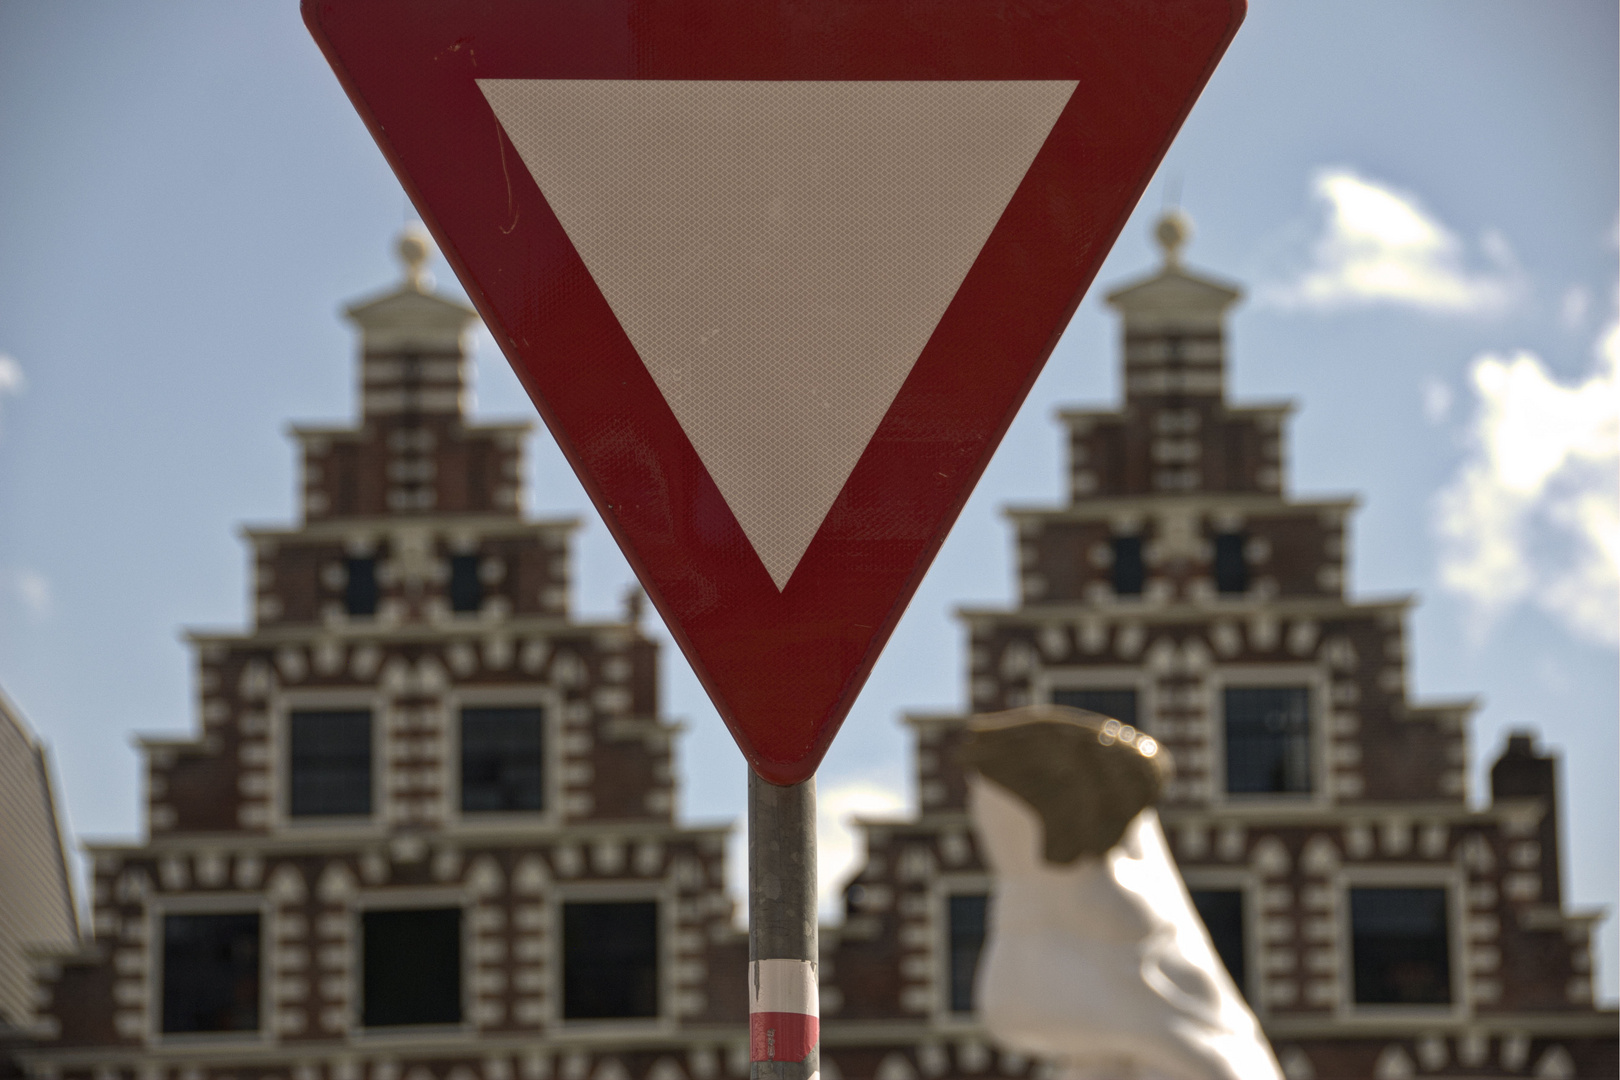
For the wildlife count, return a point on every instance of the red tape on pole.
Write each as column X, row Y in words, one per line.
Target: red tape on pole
column 784, row 1009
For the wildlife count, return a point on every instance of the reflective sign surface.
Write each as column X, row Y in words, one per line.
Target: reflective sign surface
column 777, row 275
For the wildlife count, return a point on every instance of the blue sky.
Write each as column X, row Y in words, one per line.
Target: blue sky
column 1420, row 199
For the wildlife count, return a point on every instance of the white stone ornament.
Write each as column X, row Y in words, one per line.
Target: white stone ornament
column 1101, row 964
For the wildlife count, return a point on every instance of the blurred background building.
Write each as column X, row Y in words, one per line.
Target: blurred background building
column 427, row 832
column 427, row 826
column 1378, row 923
column 37, row 912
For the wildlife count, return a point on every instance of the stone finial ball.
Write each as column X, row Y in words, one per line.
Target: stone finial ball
column 415, row 248
column 1173, row 230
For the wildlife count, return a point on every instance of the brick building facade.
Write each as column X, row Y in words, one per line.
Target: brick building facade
column 426, row 829
column 1379, row 925
column 428, row 819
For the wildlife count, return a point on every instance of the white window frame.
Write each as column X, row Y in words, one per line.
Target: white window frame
column 1405, row 876
column 426, row 898
column 941, row 889
column 283, row 704
column 516, row 695
column 1314, row 678
column 1242, row 881
column 212, row 903
column 661, row 893
column 1103, row 677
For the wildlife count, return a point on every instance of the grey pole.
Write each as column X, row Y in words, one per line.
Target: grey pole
column 782, row 927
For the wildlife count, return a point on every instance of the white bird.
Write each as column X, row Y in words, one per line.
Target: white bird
column 1095, row 957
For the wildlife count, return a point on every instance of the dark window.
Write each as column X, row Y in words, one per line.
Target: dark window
column 329, row 758
column 967, row 942
column 360, row 589
column 1129, row 573
column 1118, row 704
column 1268, row 740
column 610, row 960
column 466, row 591
column 412, row 961
column 1222, row 912
column 501, row 760
column 1400, row 948
column 1231, row 566
column 210, row 973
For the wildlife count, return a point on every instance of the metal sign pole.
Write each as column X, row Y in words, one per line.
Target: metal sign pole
column 784, row 1010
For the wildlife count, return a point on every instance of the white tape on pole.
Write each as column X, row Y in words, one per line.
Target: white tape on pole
column 784, row 1009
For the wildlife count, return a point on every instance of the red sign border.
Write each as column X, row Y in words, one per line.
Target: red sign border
column 782, row 668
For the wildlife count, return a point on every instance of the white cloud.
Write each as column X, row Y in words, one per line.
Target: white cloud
column 1533, row 515
column 12, row 382
column 1437, row 399
column 838, row 842
column 1379, row 245
column 1572, row 309
column 35, row 591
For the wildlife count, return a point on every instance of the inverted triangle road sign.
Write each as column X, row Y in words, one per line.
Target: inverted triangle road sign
column 776, row 274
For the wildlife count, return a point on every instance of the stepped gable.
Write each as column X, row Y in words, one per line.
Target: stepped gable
column 1378, row 922
column 414, row 451
column 1176, row 432
column 425, row 826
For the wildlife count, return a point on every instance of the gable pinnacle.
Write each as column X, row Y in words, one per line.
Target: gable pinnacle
column 1173, row 230
column 415, row 248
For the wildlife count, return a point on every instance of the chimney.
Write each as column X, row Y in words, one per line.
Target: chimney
column 1522, row 773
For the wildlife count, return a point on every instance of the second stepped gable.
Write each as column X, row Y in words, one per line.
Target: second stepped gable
column 1182, row 579
column 1377, row 923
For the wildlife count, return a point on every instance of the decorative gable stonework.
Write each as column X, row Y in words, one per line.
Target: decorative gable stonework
column 416, row 742
column 1379, row 924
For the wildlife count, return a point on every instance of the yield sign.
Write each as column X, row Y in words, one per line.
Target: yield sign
column 776, row 273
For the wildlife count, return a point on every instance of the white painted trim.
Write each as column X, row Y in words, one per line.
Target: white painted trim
column 1317, row 681
column 396, row 898
column 941, row 889
column 280, row 704
column 428, row 898
column 661, row 892
column 244, row 903
column 1449, row 876
column 1099, row 508
column 1245, row 882
column 550, row 701
column 1182, row 612
column 1136, row 677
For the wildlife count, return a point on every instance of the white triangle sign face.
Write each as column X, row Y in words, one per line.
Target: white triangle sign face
column 778, row 253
